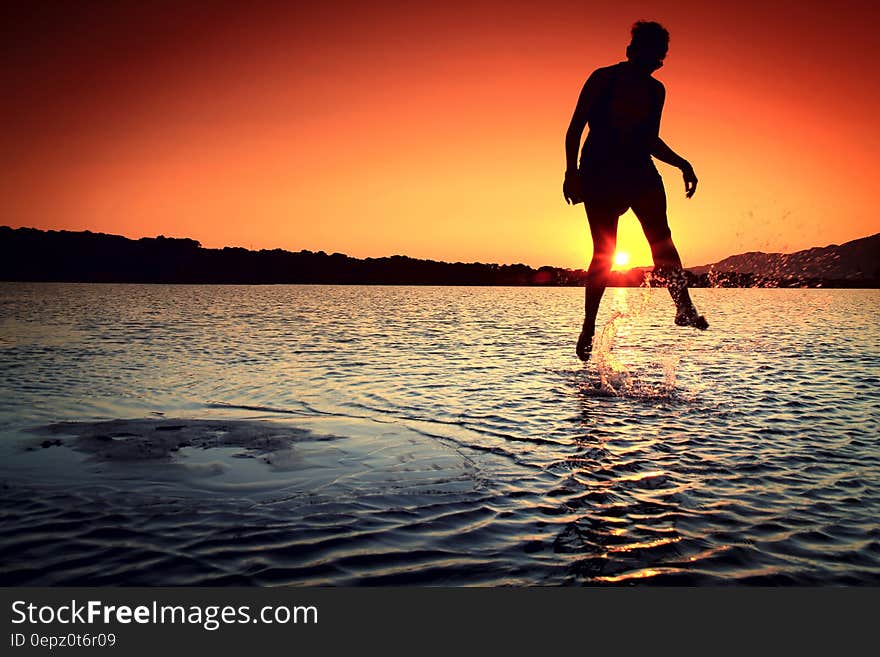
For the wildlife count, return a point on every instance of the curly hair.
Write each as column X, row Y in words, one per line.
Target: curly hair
column 649, row 37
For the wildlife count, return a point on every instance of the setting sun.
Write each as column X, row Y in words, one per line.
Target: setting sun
column 621, row 259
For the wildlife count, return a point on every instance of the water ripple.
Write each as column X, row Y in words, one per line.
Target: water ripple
column 446, row 436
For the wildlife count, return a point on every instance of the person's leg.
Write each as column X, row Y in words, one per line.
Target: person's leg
column 603, row 229
column 650, row 209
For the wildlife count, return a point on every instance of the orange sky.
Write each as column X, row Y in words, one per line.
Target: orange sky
column 433, row 130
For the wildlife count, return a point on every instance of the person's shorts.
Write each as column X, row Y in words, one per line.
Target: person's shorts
column 615, row 190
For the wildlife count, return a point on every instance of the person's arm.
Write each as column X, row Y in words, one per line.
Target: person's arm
column 665, row 154
column 585, row 103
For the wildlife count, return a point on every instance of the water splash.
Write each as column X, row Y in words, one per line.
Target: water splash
column 617, row 379
column 614, row 376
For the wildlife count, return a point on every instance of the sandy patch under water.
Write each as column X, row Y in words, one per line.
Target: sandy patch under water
column 162, row 439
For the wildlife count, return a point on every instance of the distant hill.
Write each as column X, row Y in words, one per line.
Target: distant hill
column 858, row 260
column 28, row 254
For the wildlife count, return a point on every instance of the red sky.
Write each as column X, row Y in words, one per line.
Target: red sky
column 433, row 129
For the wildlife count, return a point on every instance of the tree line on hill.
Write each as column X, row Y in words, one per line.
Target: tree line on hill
column 28, row 254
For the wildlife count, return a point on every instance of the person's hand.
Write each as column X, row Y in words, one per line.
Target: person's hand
column 571, row 188
column 690, row 179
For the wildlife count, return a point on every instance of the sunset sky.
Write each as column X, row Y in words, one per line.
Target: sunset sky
column 433, row 129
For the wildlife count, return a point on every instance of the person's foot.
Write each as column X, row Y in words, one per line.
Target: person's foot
column 584, row 344
column 691, row 318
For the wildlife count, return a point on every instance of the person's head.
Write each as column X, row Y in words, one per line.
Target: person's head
column 649, row 45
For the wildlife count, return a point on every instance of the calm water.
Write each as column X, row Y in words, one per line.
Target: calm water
column 448, row 436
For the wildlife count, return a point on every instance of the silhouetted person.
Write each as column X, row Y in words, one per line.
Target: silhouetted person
column 622, row 105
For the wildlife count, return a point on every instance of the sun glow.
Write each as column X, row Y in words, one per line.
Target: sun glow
column 621, row 259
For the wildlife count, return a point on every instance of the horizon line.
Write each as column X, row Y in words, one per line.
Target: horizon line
column 399, row 255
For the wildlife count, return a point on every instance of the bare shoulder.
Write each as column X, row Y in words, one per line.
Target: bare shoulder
column 603, row 74
column 660, row 91
column 606, row 70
